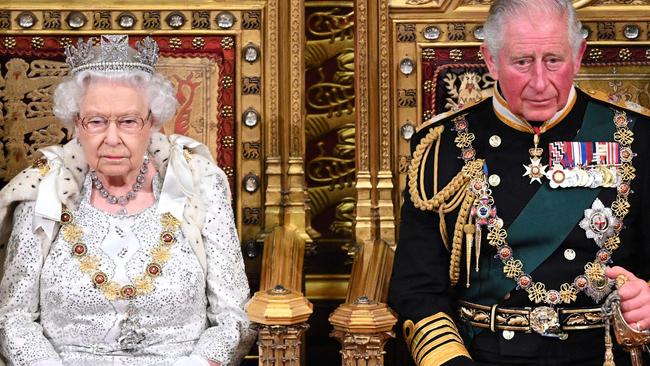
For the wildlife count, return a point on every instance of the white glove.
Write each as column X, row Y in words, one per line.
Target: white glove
column 48, row 363
column 192, row 360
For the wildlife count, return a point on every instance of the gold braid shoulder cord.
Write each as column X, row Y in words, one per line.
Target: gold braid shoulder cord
column 455, row 193
column 477, row 194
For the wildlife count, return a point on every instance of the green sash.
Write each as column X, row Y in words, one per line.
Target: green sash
column 543, row 224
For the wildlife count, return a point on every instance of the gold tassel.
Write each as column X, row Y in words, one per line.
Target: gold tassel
column 609, row 355
column 477, row 244
column 469, row 238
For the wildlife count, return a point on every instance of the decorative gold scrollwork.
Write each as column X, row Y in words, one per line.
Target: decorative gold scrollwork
column 344, row 218
column 27, row 123
column 336, row 171
column 330, row 24
column 337, row 96
column 582, row 319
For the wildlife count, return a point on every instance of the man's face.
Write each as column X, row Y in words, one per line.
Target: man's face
column 536, row 65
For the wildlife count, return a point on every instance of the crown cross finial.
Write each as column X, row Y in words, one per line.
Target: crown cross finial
column 114, row 48
column 112, row 55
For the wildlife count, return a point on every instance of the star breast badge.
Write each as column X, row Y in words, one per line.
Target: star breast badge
column 600, row 223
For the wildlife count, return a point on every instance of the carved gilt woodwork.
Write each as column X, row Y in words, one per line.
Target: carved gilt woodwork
column 362, row 328
column 279, row 310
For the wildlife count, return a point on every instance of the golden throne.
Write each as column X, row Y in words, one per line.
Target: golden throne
column 419, row 58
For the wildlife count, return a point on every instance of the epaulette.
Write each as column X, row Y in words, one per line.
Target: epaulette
column 434, row 340
column 606, row 98
column 428, row 135
column 439, row 117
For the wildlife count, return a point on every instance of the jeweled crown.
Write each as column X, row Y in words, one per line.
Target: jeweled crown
column 113, row 54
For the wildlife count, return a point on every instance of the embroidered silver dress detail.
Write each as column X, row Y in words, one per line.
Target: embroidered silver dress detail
column 73, row 321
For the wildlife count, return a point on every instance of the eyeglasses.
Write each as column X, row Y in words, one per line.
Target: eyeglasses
column 129, row 124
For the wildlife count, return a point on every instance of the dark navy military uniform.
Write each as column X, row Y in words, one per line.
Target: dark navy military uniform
column 420, row 289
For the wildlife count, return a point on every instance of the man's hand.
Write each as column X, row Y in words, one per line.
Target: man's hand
column 635, row 298
column 214, row 363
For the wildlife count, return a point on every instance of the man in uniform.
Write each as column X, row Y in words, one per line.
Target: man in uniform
column 523, row 212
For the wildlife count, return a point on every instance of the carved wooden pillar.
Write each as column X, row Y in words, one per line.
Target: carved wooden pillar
column 278, row 310
column 363, row 324
column 375, row 217
column 285, row 194
column 362, row 328
column 280, row 345
column 294, row 132
column 272, row 148
column 281, row 317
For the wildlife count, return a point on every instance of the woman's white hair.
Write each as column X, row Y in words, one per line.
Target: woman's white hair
column 502, row 11
column 159, row 93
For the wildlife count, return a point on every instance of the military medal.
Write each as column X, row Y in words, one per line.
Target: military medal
column 535, row 170
column 574, row 164
column 585, row 164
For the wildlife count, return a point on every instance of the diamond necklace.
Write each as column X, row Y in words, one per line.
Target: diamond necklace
column 129, row 196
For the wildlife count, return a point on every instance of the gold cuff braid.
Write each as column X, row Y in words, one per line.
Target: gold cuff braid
column 434, row 340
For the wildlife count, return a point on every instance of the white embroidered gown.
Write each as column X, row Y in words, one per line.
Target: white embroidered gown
column 49, row 309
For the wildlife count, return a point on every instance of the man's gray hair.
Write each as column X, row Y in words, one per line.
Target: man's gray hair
column 502, row 11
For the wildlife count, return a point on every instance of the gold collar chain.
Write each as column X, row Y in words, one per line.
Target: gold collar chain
column 593, row 282
column 90, row 264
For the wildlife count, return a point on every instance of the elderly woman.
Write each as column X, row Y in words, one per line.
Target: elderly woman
column 123, row 249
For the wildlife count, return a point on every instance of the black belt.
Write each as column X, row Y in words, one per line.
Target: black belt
column 547, row 321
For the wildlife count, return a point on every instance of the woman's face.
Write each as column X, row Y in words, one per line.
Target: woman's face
column 117, row 152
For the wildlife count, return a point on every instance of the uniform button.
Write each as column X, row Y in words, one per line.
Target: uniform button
column 508, row 334
column 495, row 141
column 494, row 180
column 570, row 254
